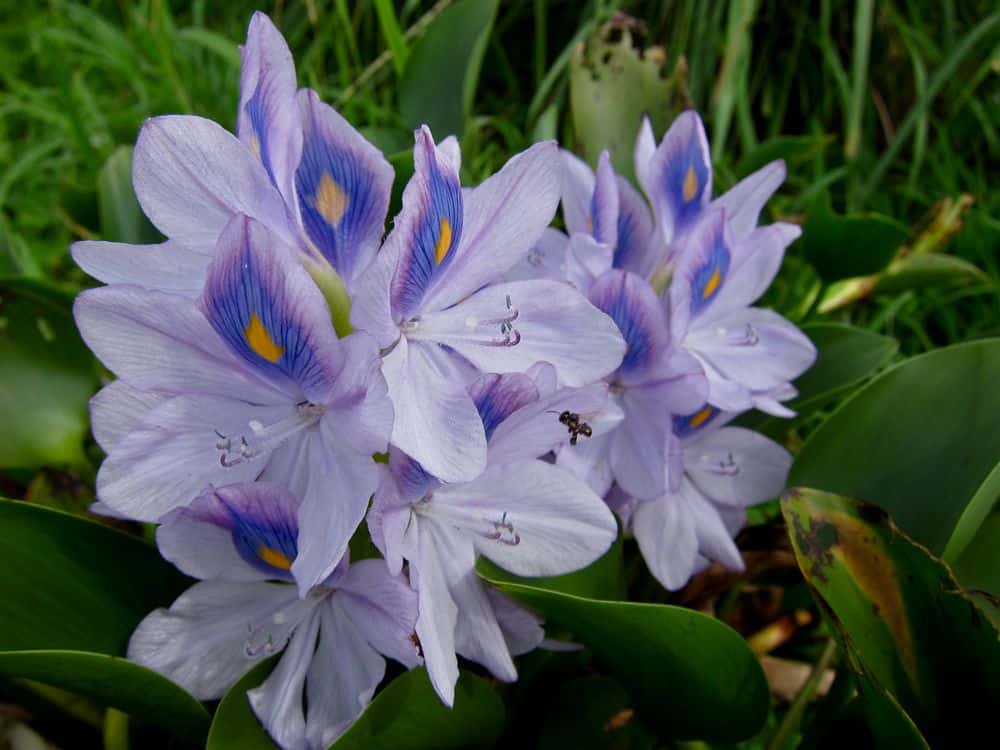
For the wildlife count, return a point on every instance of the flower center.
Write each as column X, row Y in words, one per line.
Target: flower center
column 265, row 438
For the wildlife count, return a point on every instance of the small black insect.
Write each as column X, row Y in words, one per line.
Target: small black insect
column 575, row 426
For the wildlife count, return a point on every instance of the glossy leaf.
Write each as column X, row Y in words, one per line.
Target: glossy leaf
column 113, row 681
column 602, row 579
column 853, row 245
column 919, row 440
column 979, row 565
column 611, row 86
column 847, row 355
column 71, row 595
column 442, row 71
column 684, row 669
column 48, row 377
column 122, row 220
column 405, row 715
column 907, row 626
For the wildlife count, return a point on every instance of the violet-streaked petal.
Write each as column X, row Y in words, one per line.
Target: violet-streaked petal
column 586, row 260
column 215, row 631
column 241, row 532
column 412, row 480
column 429, row 229
column 531, row 518
column 175, row 452
column 168, row 266
column 509, row 327
column 270, row 312
column 344, row 673
column 384, row 608
column 343, row 185
column 679, row 179
column 665, row 531
column 645, row 151
column 639, row 247
column 498, row 396
column 546, row 423
column 743, row 202
column 703, row 269
column 116, row 409
column 277, row 702
column 736, row 466
column 267, row 120
column 604, row 210
column 191, row 176
column 505, row 217
column 436, row 422
column 634, row 307
column 159, row 341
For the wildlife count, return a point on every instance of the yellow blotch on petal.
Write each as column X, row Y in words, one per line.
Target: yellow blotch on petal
column 274, row 558
column 690, row 185
column 330, row 199
column 260, row 340
column 255, row 145
column 701, row 417
column 713, row 283
column 444, row 242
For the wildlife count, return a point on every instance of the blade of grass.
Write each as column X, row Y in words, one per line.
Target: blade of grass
column 393, row 35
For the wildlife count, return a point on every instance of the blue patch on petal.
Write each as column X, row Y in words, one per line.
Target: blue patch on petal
column 498, row 396
column 619, row 294
column 691, row 423
column 626, row 246
column 268, row 542
column 246, row 302
column 438, row 231
column 684, row 179
column 708, row 279
column 338, row 199
column 258, row 123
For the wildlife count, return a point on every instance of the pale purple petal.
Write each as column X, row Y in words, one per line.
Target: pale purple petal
column 436, row 421
column 267, row 119
column 116, row 409
column 679, row 179
column 478, row 636
column 215, row 632
column 577, row 186
column 277, row 702
column 736, row 466
column 522, row 628
column 586, row 260
column 505, row 217
column 545, row 260
column 645, row 151
column 640, row 446
column 665, row 531
column 531, row 518
column 509, row 327
column 383, row 607
column 343, row 185
column 590, row 460
column 191, row 176
column 639, row 248
column 169, row 266
column 714, row 540
column 344, row 673
column 604, row 203
column 743, row 202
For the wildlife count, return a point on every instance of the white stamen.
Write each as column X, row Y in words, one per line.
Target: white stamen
column 265, row 438
column 727, row 467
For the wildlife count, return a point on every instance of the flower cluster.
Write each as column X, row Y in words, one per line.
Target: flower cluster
column 523, row 384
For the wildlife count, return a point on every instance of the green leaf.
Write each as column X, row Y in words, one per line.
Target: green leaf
column 442, row 71
column 907, row 626
column 408, row 715
column 684, row 669
column 794, row 149
column 979, row 565
column 928, row 270
column 405, row 715
column 920, row 440
column 602, row 579
column 593, row 713
column 71, row 595
column 47, row 374
column 840, row 247
column 234, row 726
column 847, row 356
column 611, row 86
column 113, row 681
column 122, row 220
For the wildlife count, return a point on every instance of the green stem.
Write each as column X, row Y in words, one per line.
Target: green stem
column 115, row 730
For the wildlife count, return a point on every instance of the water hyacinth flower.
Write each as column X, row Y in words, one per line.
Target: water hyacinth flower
column 724, row 470
column 525, row 515
column 433, row 302
column 240, row 541
column 296, row 166
column 249, row 383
